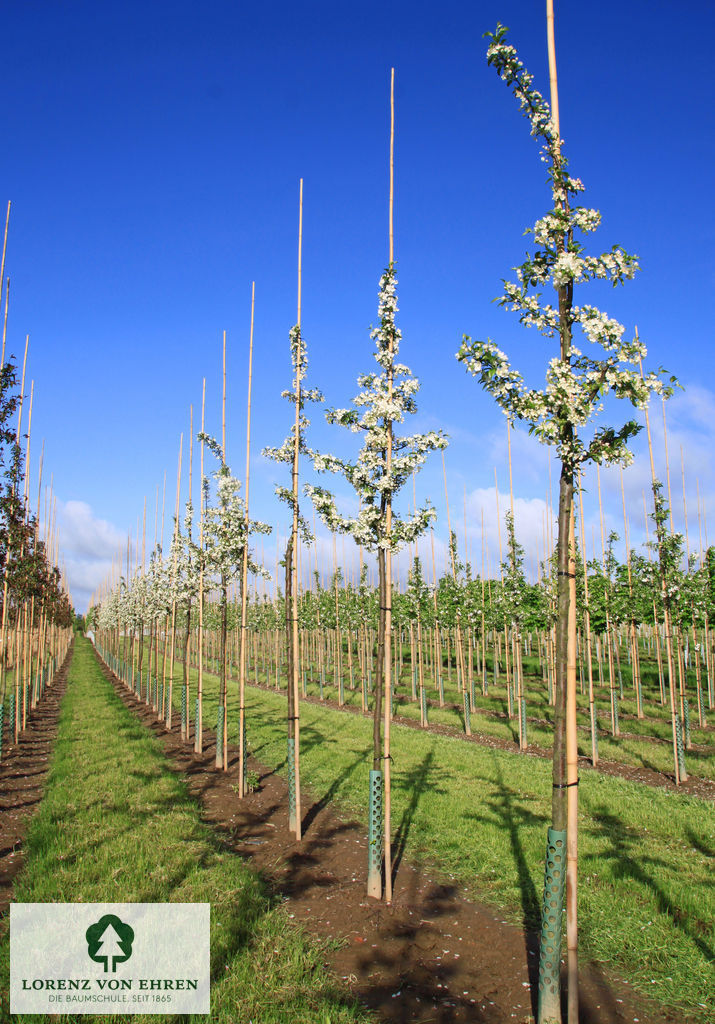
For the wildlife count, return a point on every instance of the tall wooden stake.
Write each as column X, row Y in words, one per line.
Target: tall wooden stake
column 198, row 723
column 244, row 578
column 387, row 759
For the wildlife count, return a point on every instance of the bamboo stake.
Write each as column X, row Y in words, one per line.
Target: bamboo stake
column 517, row 639
column 18, row 434
column 635, row 666
column 388, row 550
column 294, row 682
column 244, row 575
column 587, row 622
column 701, row 719
column 667, row 466
column 506, row 628
column 7, row 291
column 223, row 403
column 571, row 735
column 708, row 656
column 222, row 756
column 198, row 718
column 615, row 727
column 666, row 625
column 173, row 575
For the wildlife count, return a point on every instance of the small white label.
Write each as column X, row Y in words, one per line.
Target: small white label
column 110, row 958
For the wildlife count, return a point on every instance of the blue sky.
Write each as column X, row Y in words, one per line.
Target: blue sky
column 152, row 156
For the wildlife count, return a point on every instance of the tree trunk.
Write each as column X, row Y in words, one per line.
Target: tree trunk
column 289, row 684
column 374, row 874
column 379, row 669
column 555, row 873
column 221, row 744
column 185, row 701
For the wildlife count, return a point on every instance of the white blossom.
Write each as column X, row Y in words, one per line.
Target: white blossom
column 386, row 399
column 576, row 384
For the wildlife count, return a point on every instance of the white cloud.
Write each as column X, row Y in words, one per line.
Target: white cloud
column 88, row 545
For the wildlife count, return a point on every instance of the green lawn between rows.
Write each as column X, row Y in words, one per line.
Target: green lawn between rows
column 116, row 823
column 644, row 742
column 479, row 816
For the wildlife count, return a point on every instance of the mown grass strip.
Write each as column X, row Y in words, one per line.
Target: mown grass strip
column 117, row 824
column 479, row 816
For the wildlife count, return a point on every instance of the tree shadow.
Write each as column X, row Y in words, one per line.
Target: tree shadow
column 331, row 791
column 629, row 861
column 509, row 811
column 414, row 782
column 699, row 844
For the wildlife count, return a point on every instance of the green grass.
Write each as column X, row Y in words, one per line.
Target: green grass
column 645, row 743
column 117, row 824
column 479, row 817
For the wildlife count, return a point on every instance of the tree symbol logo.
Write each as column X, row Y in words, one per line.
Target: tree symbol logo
column 109, row 941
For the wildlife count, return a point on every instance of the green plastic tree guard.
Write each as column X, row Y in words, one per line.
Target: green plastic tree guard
column 374, row 837
column 245, row 752
column 220, row 723
column 679, row 746
column 551, row 928
column 291, row 784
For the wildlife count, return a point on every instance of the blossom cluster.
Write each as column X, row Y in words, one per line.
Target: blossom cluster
column 226, row 527
column 386, row 398
column 576, row 383
column 286, row 451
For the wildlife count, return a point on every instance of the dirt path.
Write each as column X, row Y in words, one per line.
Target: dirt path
column 23, row 769
column 430, row 958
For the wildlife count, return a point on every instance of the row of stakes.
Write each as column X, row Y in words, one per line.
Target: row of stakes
column 43, row 679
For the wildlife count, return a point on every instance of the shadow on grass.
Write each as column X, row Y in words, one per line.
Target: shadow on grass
column 510, row 813
column 421, row 777
column 623, row 849
column 335, row 785
column 699, row 844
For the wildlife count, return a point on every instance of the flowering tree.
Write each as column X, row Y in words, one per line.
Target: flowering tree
column 514, row 589
column 560, row 414
column 419, row 607
column 669, row 547
column 225, row 535
column 385, row 462
column 158, row 602
column 289, row 452
column 185, row 572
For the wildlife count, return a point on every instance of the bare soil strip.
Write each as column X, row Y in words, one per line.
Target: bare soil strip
column 23, row 769
column 432, row 957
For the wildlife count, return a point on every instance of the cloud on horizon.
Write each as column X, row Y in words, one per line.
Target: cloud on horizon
column 88, row 546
